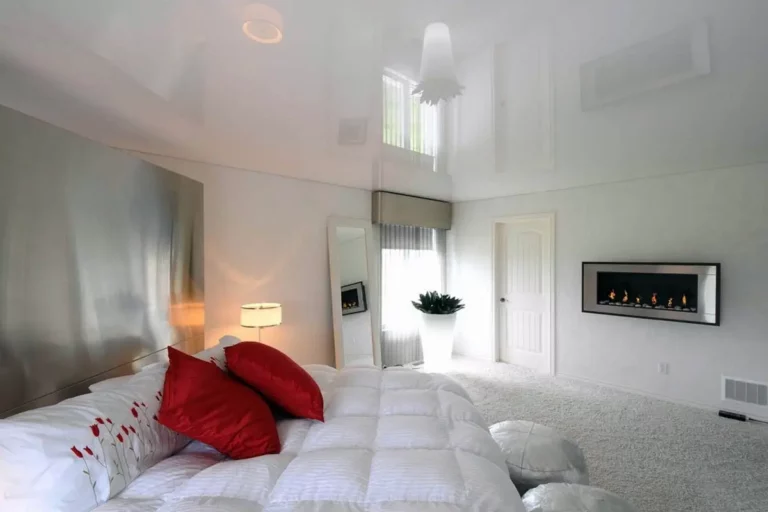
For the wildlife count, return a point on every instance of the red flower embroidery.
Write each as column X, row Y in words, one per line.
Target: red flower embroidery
column 120, row 437
column 109, row 421
column 135, row 413
column 124, row 429
column 87, row 471
column 132, row 429
column 99, row 421
column 88, row 451
column 95, row 429
column 136, row 404
column 143, row 404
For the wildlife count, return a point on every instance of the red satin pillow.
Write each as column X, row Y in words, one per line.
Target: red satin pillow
column 201, row 402
column 277, row 377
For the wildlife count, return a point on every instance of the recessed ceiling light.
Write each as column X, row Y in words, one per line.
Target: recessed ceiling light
column 263, row 24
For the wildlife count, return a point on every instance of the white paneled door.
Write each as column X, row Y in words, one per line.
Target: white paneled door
column 524, row 291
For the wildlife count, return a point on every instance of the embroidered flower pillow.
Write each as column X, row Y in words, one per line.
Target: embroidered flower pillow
column 75, row 455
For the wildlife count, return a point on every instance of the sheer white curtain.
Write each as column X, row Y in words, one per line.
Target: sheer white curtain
column 412, row 262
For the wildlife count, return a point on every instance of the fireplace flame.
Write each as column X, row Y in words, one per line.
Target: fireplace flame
column 685, row 300
column 670, row 302
column 612, row 295
column 637, row 299
column 654, row 299
column 626, row 297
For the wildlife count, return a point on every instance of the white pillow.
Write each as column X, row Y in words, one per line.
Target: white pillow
column 163, row 365
column 76, row 455
column 117, row 382
column 106, row 385
column 216, row 354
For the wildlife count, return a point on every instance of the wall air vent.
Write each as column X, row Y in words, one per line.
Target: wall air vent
column 659, row 62
column 353, row 132
column 748, row 392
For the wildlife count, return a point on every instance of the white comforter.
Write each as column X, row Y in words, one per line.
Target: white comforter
column 393, row 440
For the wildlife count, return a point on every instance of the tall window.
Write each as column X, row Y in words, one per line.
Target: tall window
column 412, row 130
column 412, row 262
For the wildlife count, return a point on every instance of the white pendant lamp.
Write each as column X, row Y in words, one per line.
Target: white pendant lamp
column 438, row 73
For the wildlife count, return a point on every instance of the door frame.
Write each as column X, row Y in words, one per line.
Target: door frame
column 549, row 217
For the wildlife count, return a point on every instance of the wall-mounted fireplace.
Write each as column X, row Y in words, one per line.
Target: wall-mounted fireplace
column 677, row 292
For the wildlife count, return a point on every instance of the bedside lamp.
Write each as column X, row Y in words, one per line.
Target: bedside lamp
column 261, row 315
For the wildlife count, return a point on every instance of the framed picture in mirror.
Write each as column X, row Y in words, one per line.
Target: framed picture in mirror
column 353, row 299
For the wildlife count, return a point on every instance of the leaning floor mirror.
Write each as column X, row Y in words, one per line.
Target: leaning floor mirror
column 354, row 292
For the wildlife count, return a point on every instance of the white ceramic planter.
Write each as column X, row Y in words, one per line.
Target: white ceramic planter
column 437, row 332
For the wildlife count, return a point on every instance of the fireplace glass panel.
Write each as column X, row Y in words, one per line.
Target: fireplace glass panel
column 678, row 292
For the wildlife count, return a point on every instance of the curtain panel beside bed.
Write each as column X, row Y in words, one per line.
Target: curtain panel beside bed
column 413, row 261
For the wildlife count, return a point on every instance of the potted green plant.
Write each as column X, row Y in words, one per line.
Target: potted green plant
column 436, row 329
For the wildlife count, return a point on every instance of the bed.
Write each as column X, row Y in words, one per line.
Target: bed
column 392, row 440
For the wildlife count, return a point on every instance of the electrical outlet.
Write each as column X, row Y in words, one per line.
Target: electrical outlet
column 664, row 368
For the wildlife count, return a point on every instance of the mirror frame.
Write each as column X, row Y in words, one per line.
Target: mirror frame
column 373, row 285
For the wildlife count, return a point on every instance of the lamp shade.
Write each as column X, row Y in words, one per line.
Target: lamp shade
column 438, row 73
column 261, row 315
column 263, row 24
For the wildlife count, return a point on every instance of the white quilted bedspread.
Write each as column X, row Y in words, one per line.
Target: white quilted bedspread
column 393, row 441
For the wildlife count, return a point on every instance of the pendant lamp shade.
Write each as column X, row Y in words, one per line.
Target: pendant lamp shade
column 438, row 72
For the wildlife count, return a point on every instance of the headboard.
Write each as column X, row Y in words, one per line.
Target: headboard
column 101, row 263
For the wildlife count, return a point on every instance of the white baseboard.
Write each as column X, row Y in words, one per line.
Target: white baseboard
column 641, row 392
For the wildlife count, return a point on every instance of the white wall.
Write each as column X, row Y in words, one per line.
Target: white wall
column 714, row 216
column 266, row 241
